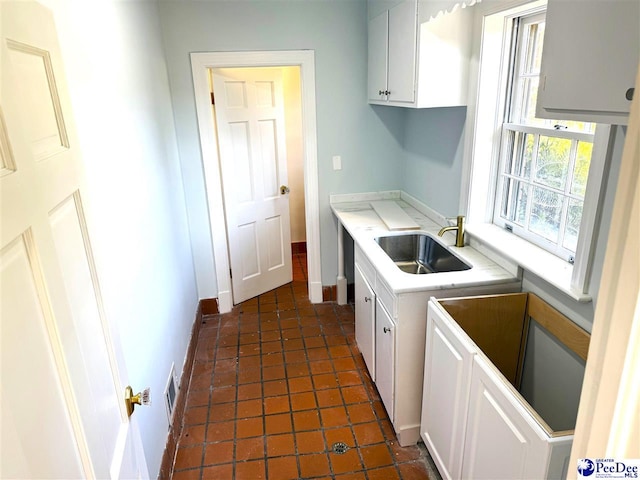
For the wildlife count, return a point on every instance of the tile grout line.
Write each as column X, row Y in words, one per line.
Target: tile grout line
column 331, row 324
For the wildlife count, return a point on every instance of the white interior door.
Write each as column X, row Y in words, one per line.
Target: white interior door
column 249, row 112
column 60, row 390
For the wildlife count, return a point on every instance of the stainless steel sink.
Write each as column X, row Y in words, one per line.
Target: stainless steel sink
column 419, row 254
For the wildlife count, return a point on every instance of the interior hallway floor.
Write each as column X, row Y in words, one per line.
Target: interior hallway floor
column 280, row 391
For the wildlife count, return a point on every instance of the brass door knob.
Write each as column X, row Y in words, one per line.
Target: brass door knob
column 284, row 190
column 131, row 400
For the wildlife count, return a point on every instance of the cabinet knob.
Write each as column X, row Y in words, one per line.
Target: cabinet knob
column 387, row 92
column 380, row 92
column 367, row 299
column 629, row 94
column 386, row 329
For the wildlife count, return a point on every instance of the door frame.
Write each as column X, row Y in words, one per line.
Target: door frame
column 305, row 59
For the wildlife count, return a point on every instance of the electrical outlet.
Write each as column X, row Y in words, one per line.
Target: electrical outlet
column 337, row 162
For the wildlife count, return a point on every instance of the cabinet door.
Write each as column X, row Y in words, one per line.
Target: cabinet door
column 402, row 52
column 378, row 54
column 447, row 376
column 385, row 358
column 589, row 60
column 365, row 304
column 502, row 441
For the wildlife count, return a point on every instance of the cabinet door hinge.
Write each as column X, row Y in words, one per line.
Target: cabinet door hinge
column 230, row 273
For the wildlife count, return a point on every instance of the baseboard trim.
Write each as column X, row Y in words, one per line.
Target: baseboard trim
column 315, row 292
column 225, row 301
column 207, row 306
column 329, row 293
column 298, row 247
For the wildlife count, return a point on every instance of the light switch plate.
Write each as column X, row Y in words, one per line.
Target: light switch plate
column 337, row 162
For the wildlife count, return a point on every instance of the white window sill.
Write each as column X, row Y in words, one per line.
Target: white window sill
column 500, row 246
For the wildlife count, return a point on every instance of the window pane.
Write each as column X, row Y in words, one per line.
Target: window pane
column 520, row 148
column 572, row 228
column 534, row 35
column 529, row 98
column 514, row 201
column 581, row 168
column 545, row 213
column 553, row 161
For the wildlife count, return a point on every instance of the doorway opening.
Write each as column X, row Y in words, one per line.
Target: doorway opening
column 303, row 63
column 257, row 115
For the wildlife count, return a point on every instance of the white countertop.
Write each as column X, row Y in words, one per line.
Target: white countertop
column 364, row 225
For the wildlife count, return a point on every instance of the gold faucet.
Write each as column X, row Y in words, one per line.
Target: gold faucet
column 459, row 231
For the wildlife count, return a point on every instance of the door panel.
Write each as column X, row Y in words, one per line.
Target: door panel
column 269, row 155
column 402, row 52
column 275, row 238
column 87, row 354
column 243, row 178
column 500, row 442
column 29, row 376
column 61, row 383
column 250, row 120
column 265, row 94
column 385, row 358
column 378, row 44
column 36, row 83
column 447, row 376
column 250, row 266
column 365, row 306
column 7, row 162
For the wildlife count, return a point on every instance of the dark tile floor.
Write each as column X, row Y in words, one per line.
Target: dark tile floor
column 275, row 384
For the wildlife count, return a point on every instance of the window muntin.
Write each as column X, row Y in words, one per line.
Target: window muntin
column 543, row 163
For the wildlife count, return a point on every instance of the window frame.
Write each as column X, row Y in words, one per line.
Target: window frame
column 485, row 112
column 517, row 96
column 555, row 248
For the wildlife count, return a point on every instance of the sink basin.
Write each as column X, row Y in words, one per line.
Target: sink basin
column 420, row 254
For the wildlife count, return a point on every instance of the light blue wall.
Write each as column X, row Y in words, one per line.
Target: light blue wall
column 382, row 148
column 434, row 145
column 367, row 139
column 119, row 87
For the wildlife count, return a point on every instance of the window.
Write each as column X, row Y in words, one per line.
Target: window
column 543, row 164
column 526, row 174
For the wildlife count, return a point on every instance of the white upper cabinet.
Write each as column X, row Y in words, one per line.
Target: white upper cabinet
column 402, row 53
column 415, row 60
column 589, row 60
column 378, row 45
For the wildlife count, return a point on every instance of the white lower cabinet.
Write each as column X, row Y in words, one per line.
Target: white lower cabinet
column 475, row 423
column 390, row 334
column 385, row 358
column 447, row 377
column 365, row 312
column 502, row 442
